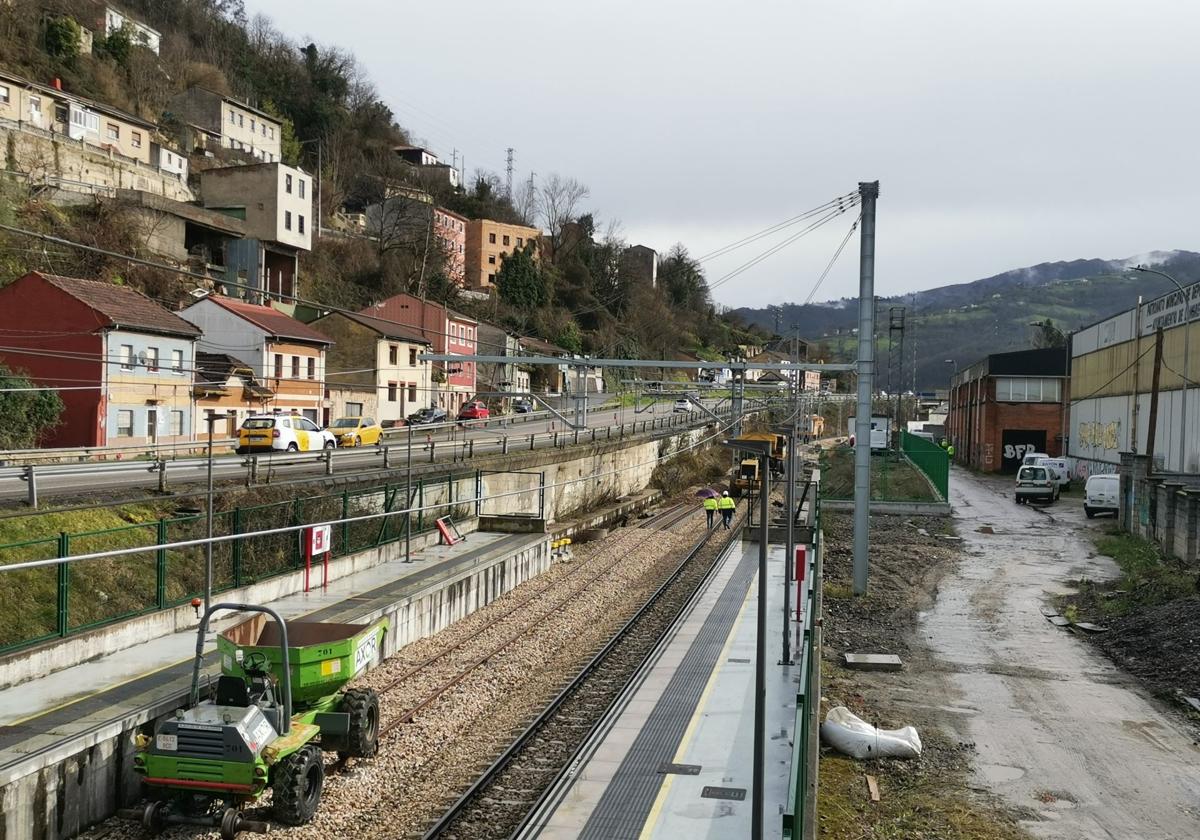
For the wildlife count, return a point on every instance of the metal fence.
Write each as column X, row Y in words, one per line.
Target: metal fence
column 61, row 600
column 799, row 814
column 930, row 459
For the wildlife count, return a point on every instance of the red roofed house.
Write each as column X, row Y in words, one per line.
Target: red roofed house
column 122, row 362
column 287, row 356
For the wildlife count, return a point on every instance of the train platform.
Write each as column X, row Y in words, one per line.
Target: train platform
column 674, row 758
column 82, row 702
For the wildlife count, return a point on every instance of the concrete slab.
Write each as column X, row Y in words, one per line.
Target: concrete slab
column 873, row 661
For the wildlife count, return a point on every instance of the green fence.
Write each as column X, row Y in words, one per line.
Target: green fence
column 58, row 601
column 930, row 459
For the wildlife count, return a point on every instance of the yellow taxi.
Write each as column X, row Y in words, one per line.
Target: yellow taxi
column 356, row 431
column 283, row 432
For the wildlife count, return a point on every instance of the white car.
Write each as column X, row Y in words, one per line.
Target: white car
column 1102, row 494
column 682, row 406
column 283, row 432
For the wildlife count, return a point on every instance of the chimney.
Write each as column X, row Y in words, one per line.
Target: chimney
column 57, row 83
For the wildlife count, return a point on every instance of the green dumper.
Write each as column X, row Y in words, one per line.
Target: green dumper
column 279, row 702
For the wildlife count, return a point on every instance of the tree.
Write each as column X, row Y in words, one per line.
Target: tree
column 289, row 144
column 62, row 39
column 1049, row 335
column 519, row 282
column 118, row 45
column 28, row 415
column 558, row 202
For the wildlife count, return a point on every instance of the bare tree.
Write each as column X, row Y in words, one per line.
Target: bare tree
column 558, row 202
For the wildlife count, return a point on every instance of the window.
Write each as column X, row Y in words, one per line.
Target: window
column 4, row 94
column 287, row 184
column 125, row 423
column 232, row 117
column 306, row 423
column 491, row 278
column 241, row 121
column 152, row 358
column 113, row 131
column 252, row 124
column 312, row 368
column 287, row 219
column 520, row 241
column 264, row 129
column 412, row 392
column 412, row 357
column 300, row 187
column 391, row 392
column 135, row 139
column 278, row 366
column 492, row 238
column 126, row 356
column 272, row 133
column 300, row 223
column 1027, row 389
column 295, row 367
column 35, row 105
column 62, row 114
column 491, row 259
column 176, row 423
column 393, row 354
column 355, row 409
column 506, row 241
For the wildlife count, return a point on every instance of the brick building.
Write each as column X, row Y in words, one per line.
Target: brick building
column 488, row 243
column 451, row 232
column 1008, row 404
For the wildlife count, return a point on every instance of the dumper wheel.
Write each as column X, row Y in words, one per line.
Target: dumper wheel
column 362, row 704
column 296, row 786
column 231, row 822
column 154, row 818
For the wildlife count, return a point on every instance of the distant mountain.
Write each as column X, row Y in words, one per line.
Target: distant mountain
column 966, row 321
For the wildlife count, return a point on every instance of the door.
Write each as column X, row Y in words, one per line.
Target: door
column 1015, row 444
column 152, row 424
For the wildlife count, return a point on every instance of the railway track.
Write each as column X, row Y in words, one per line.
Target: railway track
column 500, row 800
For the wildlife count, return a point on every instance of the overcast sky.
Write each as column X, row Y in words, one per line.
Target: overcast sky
column 1003, row 133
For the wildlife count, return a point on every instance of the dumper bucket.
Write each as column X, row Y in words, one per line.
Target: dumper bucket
column 323, row 657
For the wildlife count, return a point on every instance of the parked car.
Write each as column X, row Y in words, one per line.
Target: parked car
column 682, row 405
column 474, row 410
column 522, row 406
column 285, row 432
column 1102, row 494
column 1036, row 483
column 426, row 416
column 356, row 431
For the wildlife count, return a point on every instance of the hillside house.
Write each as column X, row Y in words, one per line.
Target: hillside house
column 228, row 123
column 287, row 357
column 223, row 384
column 124, row 363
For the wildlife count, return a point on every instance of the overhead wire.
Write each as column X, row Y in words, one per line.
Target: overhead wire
column 829, row 267
column 848, row 198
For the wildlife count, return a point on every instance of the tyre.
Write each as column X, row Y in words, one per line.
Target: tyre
column 330, row 444
column 357, row 441
column 1089, row 512
column 230, row 823
column 241, row 450
column 154, row 818
column 296, row 786
column 292, row 447
column 362, row 741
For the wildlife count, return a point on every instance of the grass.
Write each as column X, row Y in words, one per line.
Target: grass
column 1147, row 577
column 891, row 479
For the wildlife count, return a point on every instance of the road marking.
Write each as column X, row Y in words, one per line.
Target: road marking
column 665, row 786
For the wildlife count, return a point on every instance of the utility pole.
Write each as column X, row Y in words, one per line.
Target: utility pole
column 1153, row 431
column 508, row 170
column 869, row 191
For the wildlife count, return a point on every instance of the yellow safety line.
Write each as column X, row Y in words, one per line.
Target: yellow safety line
column 681, row 753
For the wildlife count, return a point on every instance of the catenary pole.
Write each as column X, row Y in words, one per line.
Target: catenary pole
column 866, row 381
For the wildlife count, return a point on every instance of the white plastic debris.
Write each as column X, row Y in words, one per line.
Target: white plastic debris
column 851, row 735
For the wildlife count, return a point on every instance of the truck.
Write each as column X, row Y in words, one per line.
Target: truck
column 281, row 700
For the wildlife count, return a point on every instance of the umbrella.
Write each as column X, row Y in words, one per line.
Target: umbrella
column 707, row 493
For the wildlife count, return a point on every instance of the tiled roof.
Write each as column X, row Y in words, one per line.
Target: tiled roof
column 388, row 329
column 122, row 306
column 271, row 321
column 544, row 348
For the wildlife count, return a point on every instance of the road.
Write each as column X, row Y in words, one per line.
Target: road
column 1061, row 734
column 448, row 442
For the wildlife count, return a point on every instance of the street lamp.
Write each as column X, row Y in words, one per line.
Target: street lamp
column 1187, row 320
column 761, row 448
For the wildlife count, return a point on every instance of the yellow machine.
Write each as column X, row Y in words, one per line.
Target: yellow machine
column 747, row 476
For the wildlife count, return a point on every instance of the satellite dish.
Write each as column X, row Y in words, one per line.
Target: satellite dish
column 142, row 357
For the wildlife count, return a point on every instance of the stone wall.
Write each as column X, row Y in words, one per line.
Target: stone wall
column 1162, row 507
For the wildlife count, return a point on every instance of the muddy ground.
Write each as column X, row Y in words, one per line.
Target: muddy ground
column 929, row 798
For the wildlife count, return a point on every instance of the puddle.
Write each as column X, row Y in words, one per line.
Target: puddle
column 1000, row 772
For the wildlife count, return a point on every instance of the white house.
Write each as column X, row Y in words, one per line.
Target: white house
column 115, row 20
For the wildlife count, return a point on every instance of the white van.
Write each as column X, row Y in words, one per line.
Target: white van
column 1061, row 469
column 1102, row 494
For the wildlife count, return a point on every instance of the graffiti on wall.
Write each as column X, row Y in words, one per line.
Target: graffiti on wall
column 1100, row 435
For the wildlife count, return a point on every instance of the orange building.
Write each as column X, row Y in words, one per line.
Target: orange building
column 451, row 232
column 488, row 243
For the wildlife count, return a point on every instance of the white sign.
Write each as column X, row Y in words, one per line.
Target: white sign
column 320, row 538
column 1170, row 310
column 167, row 742
column 366, row 651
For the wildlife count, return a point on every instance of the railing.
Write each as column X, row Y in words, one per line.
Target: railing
column 799, row 816
column 65, row 599
column 930, row 459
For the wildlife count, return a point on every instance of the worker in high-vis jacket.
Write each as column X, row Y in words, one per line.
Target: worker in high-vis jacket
column 726, row 505
column 710, row 509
